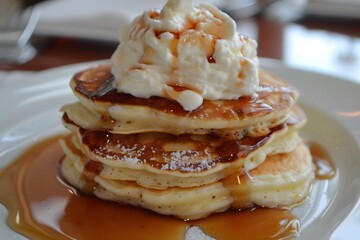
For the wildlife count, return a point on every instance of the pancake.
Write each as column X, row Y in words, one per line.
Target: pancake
column 162, row 160
column 102, row 108
column 281, row 180
column 152, row 153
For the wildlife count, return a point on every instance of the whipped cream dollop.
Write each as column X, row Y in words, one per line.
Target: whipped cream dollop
column 186, row 53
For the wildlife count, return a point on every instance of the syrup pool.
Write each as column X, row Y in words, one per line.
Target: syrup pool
column 41, row 207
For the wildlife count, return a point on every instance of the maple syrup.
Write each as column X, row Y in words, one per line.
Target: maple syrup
column 41, row 207
column 324, row 166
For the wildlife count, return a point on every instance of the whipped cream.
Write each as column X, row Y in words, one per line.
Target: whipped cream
column 186, row 53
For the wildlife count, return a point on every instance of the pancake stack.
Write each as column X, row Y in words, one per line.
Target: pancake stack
column 151, row 153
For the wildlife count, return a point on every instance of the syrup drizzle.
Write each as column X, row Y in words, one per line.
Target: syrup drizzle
column 324, row 166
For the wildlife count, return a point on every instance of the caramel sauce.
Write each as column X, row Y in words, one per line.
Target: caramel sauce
column 210, row 59
column 41, row 207
column 91, row 170
column 324, row 166
column 155, row 14
column 241, row 75
column 180, row 88
column 174, row 49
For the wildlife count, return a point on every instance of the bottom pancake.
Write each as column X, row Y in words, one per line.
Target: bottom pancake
column 282, row 180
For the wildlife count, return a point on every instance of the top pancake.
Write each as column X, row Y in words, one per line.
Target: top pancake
column 102, row 107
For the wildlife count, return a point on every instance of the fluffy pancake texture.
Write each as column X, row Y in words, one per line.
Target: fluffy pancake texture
column 154, row 154
column 101, row 107
column 282, row 180
column 161, row 160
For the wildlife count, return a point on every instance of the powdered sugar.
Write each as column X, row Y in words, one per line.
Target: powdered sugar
column 187, row 161
column 183, row 161
column 129, row 154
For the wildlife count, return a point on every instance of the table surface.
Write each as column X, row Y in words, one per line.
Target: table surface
column 331, row 46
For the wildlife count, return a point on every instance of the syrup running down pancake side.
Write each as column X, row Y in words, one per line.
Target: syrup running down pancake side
column 52, row 211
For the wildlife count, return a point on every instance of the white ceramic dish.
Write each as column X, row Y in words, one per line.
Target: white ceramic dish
column 30, row 112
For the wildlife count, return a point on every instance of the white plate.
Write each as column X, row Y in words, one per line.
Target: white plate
column 30, row 112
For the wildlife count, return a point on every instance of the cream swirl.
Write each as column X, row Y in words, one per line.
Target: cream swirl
column 186, row 53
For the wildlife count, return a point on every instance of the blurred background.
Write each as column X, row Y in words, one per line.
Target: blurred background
column 318, row 35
